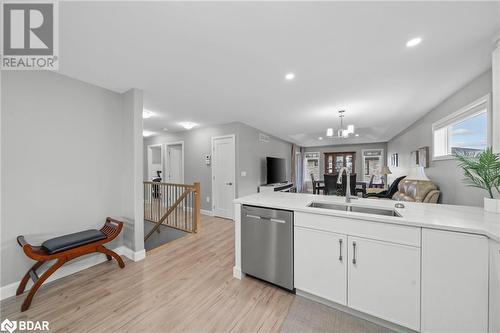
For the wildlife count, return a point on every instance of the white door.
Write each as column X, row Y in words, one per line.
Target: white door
column 454, row 282
column 223, row 176
column 175, row 168
column 384, row 280
column 320, row 264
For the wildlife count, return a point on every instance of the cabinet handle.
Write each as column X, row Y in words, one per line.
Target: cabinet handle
column 340, row 249
column 354, row 253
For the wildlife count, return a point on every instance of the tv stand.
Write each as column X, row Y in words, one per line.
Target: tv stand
column 277, row 187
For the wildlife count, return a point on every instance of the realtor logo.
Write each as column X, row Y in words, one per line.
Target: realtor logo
column 8, row 325
column 30, row 36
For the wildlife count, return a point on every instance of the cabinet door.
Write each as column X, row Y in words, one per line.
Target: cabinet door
column 320, row 264
column 384, row 280
column 454, row 282
column 494, row 287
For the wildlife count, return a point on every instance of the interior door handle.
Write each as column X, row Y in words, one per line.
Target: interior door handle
column 229, row 183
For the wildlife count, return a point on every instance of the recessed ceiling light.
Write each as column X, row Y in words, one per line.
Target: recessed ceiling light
column 147, row 133
column 357, row 134
column 413, row 42
column 187, row 124
column 290, row 76
column 147, row 114
column 320, row 138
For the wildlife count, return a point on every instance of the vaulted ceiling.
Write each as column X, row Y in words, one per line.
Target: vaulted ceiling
column 217, row 62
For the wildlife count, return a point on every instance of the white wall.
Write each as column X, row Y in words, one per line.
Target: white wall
column 62, row 153
column 445, row 173
column 250, row 156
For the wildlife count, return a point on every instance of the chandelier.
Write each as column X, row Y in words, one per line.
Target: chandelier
column 342, row 132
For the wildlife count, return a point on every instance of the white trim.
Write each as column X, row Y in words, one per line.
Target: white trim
column 237, row 273
column 233, row 136
column 382, row 156
column 207, row 212
column 460, row 115
column 173, row 143
column 76, row 266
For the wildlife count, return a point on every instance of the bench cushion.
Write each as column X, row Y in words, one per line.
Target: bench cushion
column 71, row 241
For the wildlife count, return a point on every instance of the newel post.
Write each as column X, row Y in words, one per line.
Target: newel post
column 197, row 207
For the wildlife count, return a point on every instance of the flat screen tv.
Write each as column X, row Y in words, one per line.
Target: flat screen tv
column 276, row 170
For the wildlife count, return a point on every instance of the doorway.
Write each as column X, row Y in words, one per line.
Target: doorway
column 174, row 163
column 223, row 175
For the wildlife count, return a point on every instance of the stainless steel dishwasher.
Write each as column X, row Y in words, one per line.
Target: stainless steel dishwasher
column 267, row 244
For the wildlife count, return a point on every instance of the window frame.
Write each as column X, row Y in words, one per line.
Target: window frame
column 464, row 113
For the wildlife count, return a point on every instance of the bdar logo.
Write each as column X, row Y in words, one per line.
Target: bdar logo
column 8, row 325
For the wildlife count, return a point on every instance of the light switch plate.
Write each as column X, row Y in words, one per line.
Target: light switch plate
column 243, row 174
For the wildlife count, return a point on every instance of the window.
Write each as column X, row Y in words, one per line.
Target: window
column 466, row 130
column 372, row 163
column 311, row 161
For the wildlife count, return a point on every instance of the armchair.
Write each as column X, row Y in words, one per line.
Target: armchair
column 386, row 194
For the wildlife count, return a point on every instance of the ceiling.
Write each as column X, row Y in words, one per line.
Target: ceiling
column 218, row 62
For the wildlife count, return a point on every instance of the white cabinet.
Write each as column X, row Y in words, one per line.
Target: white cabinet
column 384, row 280
column 454, row 282
column 494, row 287
column 320, row 264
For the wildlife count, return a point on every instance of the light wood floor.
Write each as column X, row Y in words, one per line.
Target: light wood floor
column 185, row 285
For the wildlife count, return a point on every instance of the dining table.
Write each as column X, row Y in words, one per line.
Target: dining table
column 361, row 186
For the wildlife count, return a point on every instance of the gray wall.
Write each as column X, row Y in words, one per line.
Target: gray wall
column 444, row 173
column 250, row 156
column 61, row 153
column 358, row 148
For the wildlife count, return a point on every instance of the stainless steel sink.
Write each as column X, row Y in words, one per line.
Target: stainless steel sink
column 327, row 205
column 357, row 209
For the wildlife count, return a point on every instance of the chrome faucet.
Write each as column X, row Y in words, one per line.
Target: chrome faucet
column 348, row 195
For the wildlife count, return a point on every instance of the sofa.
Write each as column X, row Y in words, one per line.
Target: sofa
column 417, row 191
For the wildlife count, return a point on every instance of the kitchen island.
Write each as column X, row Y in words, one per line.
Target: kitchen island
column 424, row 267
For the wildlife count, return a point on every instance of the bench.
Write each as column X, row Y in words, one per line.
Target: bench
column 63, row 249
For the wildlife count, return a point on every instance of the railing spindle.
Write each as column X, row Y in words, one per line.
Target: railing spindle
column 175, row 205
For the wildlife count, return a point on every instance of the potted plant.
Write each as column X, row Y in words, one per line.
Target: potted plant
column 482, row 170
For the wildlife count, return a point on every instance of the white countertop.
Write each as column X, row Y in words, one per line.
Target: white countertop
column 437, row 216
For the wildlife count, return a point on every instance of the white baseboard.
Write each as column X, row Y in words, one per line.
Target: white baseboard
column 207, row 212
column 134, row 256
column 74, row 267
column 237, row 273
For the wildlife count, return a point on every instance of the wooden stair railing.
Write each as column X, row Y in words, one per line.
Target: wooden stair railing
column 175, row 205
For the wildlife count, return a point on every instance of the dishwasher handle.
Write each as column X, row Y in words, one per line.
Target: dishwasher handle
column 270, row 219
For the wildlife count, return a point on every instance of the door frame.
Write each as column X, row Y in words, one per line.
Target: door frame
column 150, row 157
column 213, row 139
column 165, row 147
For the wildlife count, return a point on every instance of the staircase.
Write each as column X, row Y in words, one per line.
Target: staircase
column 175, row 205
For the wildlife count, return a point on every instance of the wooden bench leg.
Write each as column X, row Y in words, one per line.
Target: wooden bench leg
column 24, row 281
column 108, row 253
column 38, row 283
